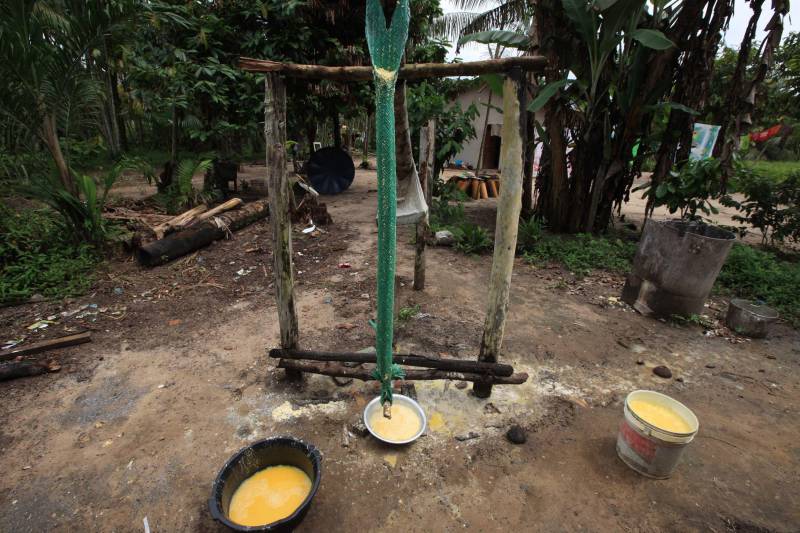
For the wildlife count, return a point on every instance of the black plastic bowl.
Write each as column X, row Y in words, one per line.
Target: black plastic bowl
column 247, row 461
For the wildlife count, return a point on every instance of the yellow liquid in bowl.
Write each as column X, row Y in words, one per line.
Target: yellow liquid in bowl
column 404, row 424
column 660, row 416
column 269, row 495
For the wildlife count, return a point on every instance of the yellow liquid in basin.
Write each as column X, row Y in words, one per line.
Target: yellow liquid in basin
column 404, row 424
column 660, row 416
column 269, row 495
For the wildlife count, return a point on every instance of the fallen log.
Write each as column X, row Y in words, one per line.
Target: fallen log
column 195, row 237
column 43, row 346
column 455, row 365
column 364, row 373
column 20, row 369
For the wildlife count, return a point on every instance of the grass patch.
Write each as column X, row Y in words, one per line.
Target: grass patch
column 760, row 275
column 36, row 257
column 582, row 253
column 776, row 170
column 407, row 313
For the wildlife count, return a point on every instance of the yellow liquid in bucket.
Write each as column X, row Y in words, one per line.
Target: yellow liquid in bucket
column 404, row 424
column 660, row 416
column 269, row 495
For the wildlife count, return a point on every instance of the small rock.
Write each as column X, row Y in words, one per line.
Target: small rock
column 662, row 372
column 516, row 435
column 461, row 384
column 770, row 356
column 365, row 296
column 359, row 428
column 680, row 380
column 640, row 361
column 444, row 238
column 710, row 365
column 244, row 431
column 118, row 291
column 36, row 298
column 467, row 436
column 342, row 381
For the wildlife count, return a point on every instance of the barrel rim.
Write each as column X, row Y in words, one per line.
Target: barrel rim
column 673, row 222
column 693, row 420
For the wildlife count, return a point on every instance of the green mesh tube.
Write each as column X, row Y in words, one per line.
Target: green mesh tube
column 386, row 46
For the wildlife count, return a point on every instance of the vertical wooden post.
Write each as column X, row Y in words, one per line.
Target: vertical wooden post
column 505, row 238
column 278, row 190
column 427, row 139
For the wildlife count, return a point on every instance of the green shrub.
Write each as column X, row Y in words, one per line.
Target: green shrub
column 760, row 275
column 771, row 206
column 529, row 234
column 471, row 239
column 180, row 194
column 582, row 253
column 688, row 189
column 37, row 257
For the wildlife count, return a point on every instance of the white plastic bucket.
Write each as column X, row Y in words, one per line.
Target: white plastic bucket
column 648, row 449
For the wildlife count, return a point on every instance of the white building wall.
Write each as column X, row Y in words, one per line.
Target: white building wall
column 480, row 96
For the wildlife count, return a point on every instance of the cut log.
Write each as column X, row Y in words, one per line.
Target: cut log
column 43, row 346
column 456, row 365
column 20, row 369
column 233, row 203
column 364, row 373
column 484, row 191
column 183, row 242
column 169, row 225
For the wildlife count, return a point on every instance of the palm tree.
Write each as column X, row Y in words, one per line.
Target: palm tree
column 45, row 51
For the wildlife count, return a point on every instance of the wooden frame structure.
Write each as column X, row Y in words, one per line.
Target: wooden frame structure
column 486, row 371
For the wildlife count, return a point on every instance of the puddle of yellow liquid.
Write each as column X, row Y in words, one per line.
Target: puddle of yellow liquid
column 436, row 423
column 269, row 495
column 403, row 425
column 660, row 416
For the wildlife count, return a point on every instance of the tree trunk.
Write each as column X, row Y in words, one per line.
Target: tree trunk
column 367, row 132
column 337, row 130
column 406, row 169
column 173, row 151
column 50, row 133
column 512, row 157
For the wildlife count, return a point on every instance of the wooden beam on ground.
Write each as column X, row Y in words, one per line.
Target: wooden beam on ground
column 280, row 219
column 427, row 139
column 20, row 369
column 43, row 346
column 455, row 365
column 505, row 237
column 412, row 71
column 364, row 373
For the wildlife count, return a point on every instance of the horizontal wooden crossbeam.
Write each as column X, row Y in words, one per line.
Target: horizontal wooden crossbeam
column 412, row 71
column 456, row 365
column 364, row 373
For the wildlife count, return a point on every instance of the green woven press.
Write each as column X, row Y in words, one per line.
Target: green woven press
column 386, row 46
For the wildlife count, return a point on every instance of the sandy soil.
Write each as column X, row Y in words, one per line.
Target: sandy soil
column 138, row 422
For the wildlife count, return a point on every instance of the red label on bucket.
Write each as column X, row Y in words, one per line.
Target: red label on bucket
column 644, row 448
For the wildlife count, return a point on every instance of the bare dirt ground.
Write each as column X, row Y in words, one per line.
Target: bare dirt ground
column 139, row 421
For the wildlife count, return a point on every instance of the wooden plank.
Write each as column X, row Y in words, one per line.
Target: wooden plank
column 505, row 239
column 456, row 365
column 413, row 71
column 427, row 141
column 365, row 373
column 43, row 346
column 278, row 188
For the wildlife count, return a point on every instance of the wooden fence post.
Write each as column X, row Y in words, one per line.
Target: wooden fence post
column 278, row 190
column 508, row 209
column 427, row 139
